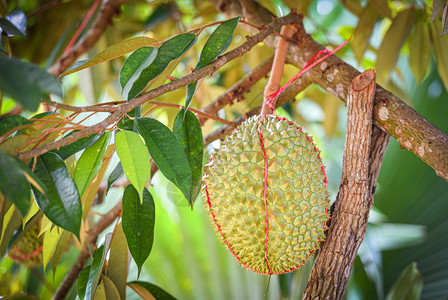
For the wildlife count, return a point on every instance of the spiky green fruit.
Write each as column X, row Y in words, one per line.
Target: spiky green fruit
column 272, row 222
column 27, row 251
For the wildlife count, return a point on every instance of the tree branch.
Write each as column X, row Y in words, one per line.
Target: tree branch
column 391, row 114
column 362, row 162
column 171, row 86
column 84, row 254
column 108, row 9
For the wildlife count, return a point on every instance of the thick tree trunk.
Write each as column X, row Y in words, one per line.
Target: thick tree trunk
column 364, row 151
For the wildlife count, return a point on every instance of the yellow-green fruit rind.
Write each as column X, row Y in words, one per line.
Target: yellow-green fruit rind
column 296, row 197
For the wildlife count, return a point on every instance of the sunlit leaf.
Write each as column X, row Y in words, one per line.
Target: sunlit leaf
column 8, row 123
column 51, row 239
column 81, row 144
column 27, row 82
column 18, row 18
column 363, row 31
column 134, row 158
column 90, row 163
column 13, row 183
column 170, row 50
column 31, row 212
column 408, row 286
column 217, row 43
column 146, row 290
column 118, row 261
column 419, row 50
column 110, row 290
column 59, row 250
column 189, row 133
column 12, row 220
column 138, row 224
column 111, row 52
column 136, row 63
column 167, row 153
column 100, row 291
column 394, row 39
column 440, row 45
column 96, row 267
column 61, row 204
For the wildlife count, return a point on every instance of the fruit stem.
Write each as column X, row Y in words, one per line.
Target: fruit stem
column 277, row 70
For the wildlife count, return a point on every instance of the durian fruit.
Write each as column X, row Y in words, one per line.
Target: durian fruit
column 27, row 251
column 273, row 228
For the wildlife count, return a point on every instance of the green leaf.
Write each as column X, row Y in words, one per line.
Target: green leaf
column 8, row 123
column 363, row 31
column 82, row 282
column 134, row 158
column 59, row 250
column 189, row 133
column 118, row 261
column 51, row 239
column 167, row 153
column 440, row 45
column 445, row 20
column 90, row 163
column 127, row 123
column 382, row 7
column 27, row 82
column 81, row 144
column 116, row 173
column 170, row 50
column 111, row 291
column 18, row 18
column 96, row 268
column 61, row 204
column 437, row 6
column 138, row 224
column 13, row 182
column 9, row 28
column 217, row 43
column 143, row 288
column 419, row 50
column 111, row 52
column 394, row 39
column 14, row 221
column 408, row 286
column 136, row 63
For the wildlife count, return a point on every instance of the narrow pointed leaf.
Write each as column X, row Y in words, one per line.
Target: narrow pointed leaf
column 419, row 50
column 136, row 63
column 440, row 45
column 143, row 288
column 437, row 6
column 59, row 250
column 61, row 204
column 134, row 158
column 382, row 7
column 100, row 291
column 9, row 28
column 18, row 18
column 445, row 20
column 363, row 31
column 110, row 289
column 116, row 173
column 167, row 153
column 8, row 123
column 189, row 133
column 408, row 286
column 82, row 282
column 27, row 82
column 217, row 43
column 118, row 261
column 138, row 224
column 111, row 52
column 13, row 183
column 51, row 239
column 90, row 163
column 81, row 144
column 394, row 39
column 96, row 268
column 170, row 50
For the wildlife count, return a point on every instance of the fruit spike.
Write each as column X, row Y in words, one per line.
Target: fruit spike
column 267, row 197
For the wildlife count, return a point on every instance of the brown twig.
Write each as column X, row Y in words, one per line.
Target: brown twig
column 171, row 86
column 108, row 9
column 84, row 254
column 239, row 88
column 284, row 97
column 332, row 267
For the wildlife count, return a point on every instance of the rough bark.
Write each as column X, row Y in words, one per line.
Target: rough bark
column 364, row 151
column 391, row 114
